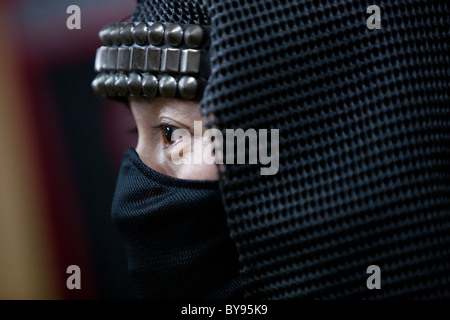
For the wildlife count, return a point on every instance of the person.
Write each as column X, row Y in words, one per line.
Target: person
column 359, row 207
column 157, row 121
column 176, row 235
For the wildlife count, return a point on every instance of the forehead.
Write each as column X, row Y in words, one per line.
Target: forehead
column 158, row 106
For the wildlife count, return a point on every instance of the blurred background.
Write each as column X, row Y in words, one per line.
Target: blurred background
column 60, row 151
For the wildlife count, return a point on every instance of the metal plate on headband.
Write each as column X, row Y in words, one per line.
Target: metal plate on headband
column 137, row 54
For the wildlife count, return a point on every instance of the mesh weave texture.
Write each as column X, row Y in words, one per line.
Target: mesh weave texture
column 364, row 120
column 173, row 11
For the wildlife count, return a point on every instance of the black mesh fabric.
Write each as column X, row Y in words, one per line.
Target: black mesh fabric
column 364, row 120
column 173, row 11
column 177, row 241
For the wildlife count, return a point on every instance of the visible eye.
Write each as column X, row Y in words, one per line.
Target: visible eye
column 169, row 133
column 166, row 133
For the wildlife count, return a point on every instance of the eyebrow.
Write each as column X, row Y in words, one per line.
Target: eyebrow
column 169, row 106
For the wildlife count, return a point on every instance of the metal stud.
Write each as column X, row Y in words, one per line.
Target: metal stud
column 140, row 33
column 156, row 33
column 174, row 34
column 95, row 85
column 112, row 59
column 124, row 59
column 115, row 34
column 102, row 83
column 193, row 36
column 153, row 59
column 190, row 61
column 126, row 34
column 104, row 36
column 170, row 60
column 188, row 87
column 138, row 59
column 101, row 58
column 110, row 84
column 99, row 85
column 104, row 57
column 150, row 85
column 134, row 84
column 121, row 85
column 168, row 86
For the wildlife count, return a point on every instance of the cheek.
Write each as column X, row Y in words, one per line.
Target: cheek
column 154, row 156
column 148, row 150
column 198, row 161
column 197, row 172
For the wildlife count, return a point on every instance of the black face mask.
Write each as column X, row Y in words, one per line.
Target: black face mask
column 175, row 234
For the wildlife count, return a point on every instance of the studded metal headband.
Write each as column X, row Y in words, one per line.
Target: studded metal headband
column 152, row 59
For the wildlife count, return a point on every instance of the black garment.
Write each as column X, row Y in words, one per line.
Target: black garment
column 364, row 120
column 176, row 236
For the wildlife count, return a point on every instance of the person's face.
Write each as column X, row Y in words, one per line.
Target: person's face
column 156, row 119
